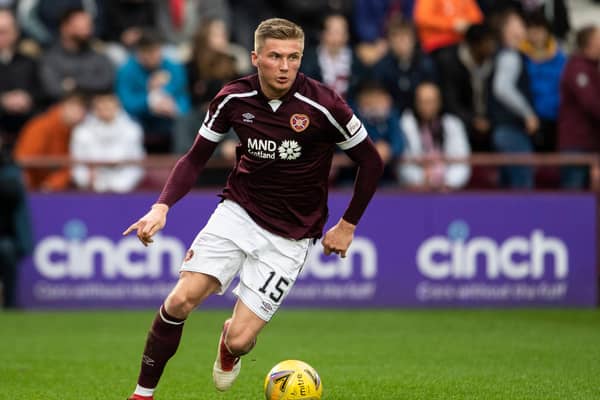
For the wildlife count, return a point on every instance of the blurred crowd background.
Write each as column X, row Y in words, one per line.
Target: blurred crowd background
column 114, row 80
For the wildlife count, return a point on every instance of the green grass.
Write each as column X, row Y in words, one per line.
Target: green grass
column 444, row 354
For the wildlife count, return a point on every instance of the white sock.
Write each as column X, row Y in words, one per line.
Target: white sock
column 142, row 391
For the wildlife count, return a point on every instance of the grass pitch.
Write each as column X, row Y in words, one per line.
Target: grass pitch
column 442, row 354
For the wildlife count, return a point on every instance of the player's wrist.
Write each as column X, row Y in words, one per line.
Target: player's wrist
column 161, row 207
column 346, row 225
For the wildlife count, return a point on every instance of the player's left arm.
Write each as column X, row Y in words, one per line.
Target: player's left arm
column 359, row 147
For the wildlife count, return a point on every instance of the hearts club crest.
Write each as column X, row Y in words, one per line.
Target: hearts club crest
column 299, row 122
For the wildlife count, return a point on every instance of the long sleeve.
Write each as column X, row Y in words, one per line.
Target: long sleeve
column 132, row 92
column 368, row 16
column 125, row 179
column 77, row 148
column 409, row 173
column 186, row 171
column 585, row 90
column 50, row 77
column 505, row 88
column 178, row 88
column 370, row 169
column 456, row 145
column 97, row 73
column 30, row 22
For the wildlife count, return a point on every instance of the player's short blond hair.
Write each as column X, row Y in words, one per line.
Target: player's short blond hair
column 276, row 28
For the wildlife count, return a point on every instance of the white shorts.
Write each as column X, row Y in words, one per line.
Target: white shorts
column 268, row 264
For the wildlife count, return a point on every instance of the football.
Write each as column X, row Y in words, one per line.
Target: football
column 293, row 380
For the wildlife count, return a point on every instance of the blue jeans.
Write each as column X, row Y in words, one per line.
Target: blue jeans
column 513, row 139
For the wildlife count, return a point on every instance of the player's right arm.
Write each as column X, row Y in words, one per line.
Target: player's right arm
column 185, row 173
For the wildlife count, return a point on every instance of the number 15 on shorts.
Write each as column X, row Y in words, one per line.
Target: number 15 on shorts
column 277, row 290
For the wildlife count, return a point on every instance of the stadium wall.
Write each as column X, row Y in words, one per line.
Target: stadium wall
column 415, row 250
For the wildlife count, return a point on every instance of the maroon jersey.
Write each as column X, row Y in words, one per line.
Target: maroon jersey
column 286, row 147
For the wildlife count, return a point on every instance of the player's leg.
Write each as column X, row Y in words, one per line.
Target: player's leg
column 209, row 267
column 265, row 281
column 237, row 338
column 165, row 333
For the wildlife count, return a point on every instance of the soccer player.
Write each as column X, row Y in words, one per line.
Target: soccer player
column 274, row 204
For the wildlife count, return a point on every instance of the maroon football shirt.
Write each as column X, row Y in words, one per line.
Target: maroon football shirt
column 285, row 152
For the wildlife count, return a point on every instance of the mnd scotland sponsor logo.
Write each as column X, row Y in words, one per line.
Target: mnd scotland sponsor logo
column 533, row 266
column 270, row 149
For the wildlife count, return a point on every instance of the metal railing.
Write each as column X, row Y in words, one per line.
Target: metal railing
column 166, row 162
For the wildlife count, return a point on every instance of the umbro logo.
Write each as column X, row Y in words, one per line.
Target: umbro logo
column 248, row 117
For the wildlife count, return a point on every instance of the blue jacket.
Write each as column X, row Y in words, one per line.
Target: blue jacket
column 387, row 130
column 370, row 16
column 544, row 80
column 132, row 87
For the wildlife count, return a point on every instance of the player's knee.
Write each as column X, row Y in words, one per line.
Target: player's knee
column 241, row 343
column 180, row 305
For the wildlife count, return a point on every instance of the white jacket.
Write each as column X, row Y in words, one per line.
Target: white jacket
column 118, row 140
column 456, row 144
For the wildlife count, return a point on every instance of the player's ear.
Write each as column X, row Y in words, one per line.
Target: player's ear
column 254, row 58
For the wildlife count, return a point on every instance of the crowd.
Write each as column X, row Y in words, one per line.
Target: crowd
column 113, row 80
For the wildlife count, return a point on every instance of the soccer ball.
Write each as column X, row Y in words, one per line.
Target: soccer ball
column 293, row 380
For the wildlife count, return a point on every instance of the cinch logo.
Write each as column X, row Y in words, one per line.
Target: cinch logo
column 325, row 268
column 517, row 257
column 79, row 257
column 269, row 149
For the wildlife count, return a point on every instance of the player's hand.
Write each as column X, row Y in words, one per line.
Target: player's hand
column 338, row 238
column 149, row 224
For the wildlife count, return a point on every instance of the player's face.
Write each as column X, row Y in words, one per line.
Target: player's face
column 277, row 62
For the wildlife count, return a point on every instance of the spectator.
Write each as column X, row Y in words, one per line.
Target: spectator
column 244, row 19
column 432, row 135
column 404, row 66
column 126, row 20
column 16, row 239
column 213, row 36
column 178, row 20
column 370, row 22
column 553, row 11
column 19, row 86
column 466, row 72
column 442, row 23
column 309, row 13
column 41, row 19
column 72, row 63
column 124, row 24
column 107, row 134
column 513, row 117
column 153, row 89
column 49, row 134
column 332, row 61
column 579, row 115
column 375, row 108
column 545, row 62
column 210, row 68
